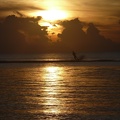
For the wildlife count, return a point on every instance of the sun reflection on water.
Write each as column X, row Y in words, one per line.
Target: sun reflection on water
column 52, row 76
column 52, row 73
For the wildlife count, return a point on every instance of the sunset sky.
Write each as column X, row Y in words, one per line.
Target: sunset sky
column 105, row 14
column 90, row 10
column 101, row 12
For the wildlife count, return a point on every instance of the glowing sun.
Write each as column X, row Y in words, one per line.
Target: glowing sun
column 52, row 14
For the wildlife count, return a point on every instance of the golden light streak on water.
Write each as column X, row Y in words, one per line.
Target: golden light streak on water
column 52, row 77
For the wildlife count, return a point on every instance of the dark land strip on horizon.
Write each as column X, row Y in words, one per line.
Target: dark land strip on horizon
column 51, row 61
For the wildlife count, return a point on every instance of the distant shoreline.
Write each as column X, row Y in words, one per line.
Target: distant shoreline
column 51, row 61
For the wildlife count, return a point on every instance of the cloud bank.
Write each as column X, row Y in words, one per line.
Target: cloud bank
column 20, row 35
column 74, row 37
column 25, row 35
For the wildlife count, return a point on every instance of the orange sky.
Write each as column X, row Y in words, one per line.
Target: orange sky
column 103, row 13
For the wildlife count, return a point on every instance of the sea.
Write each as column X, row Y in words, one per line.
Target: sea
column 46, row 89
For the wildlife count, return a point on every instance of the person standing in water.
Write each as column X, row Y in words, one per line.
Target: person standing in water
column 74, row 55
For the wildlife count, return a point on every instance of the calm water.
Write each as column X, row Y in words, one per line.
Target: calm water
column 60, row 91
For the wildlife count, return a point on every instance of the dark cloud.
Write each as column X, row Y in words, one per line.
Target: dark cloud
column 111, row 31
column 102, row 3
column 97, row 42
column 21, row 35
column 25, row 35
column 111, row 8
column 18, row 13
column 74, row 38
column 15, row 7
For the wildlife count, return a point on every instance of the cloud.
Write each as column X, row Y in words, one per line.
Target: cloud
column 18, row 13
column 15, row 7
column 74, row 38
column 25, row 35
column 110, row 30
column 72, row 35
column 19, row 35
column 10, row 7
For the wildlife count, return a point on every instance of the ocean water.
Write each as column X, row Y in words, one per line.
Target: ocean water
column 60, row 90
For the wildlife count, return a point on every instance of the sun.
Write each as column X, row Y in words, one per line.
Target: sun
column 52, row 14
column 49, row 19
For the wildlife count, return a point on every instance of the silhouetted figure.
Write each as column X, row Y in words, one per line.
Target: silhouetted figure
column 74, row 55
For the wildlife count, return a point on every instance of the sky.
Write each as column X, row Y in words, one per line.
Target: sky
column 104, row 14
column 89, row 10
